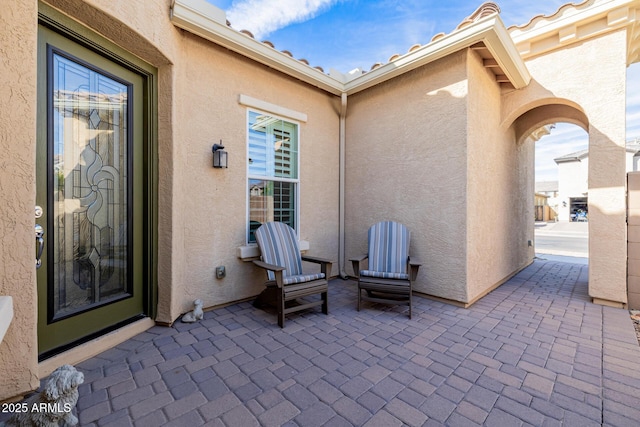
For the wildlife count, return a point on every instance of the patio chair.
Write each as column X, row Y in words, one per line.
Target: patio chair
column 281, row 258
column 390, row 275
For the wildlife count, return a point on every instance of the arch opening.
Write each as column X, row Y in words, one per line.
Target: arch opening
column 558, row 137
column 561, row 193
column 538, row 117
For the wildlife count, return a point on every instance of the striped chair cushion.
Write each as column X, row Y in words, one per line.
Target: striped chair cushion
column 384, row 274
column 388, row 249
column 279, row 246
column 301, row 278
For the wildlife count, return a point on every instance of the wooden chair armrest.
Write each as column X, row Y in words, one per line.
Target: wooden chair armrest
column 266, row 266
column 355, row 262
column 413, row 269
column 277, row 270
column 325, row 264
column 316, row 259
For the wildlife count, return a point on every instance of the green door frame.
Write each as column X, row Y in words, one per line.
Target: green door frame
column 54, row 20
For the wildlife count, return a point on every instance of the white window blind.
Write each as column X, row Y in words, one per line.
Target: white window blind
column 273, row 171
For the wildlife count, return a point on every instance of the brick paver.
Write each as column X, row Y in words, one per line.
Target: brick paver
column 535, row 351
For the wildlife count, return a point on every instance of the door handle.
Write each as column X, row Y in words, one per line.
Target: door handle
column 39, row 244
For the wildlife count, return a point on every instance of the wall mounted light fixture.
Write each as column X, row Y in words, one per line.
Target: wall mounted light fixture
column 219, row 156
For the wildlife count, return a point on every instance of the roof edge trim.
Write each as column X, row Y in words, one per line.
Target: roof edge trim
column 209, row 22
column 196, row 17
column 568, row 14
column 489, row 30
column 599, row 16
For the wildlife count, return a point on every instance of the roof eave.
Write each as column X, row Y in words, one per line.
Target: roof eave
column 574, row 23
column 201, row 18
column 209, row 22
column 566, row 160
column 490, row 31
column 573, row 157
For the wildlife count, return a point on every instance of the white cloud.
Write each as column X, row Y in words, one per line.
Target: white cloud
column 263, row 17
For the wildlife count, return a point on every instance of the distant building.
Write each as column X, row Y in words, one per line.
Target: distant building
column 573, row 180
column 546, row 200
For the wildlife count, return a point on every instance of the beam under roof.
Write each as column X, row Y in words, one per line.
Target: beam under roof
column 574, row 23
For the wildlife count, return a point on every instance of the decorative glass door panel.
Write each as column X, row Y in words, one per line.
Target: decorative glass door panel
column 91, row 185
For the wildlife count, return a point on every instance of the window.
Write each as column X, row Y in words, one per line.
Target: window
column 273, row 171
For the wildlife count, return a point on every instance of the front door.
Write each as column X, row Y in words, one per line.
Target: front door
column 90, row 185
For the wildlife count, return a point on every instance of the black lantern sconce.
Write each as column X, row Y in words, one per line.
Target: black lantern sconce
column 219, row 156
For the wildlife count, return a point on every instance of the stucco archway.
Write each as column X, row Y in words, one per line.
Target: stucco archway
column 571, row 182
column 559, row 51
column 607, row 164
column 553, row 112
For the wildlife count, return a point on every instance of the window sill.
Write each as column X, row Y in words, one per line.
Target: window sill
column 251, row 252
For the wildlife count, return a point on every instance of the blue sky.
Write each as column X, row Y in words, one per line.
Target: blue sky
column 348, row 34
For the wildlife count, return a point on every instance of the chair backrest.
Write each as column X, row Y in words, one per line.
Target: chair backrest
column 388, row 247
column 279, row 246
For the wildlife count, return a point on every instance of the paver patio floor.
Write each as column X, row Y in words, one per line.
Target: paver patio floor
column 535, row 351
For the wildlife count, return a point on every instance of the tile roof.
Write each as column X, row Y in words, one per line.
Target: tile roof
column 482, row 31
column 558, row 13
column 486, row 9
column 271, row 45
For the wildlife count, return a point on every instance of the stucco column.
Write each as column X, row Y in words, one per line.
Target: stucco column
column 607, row 177
column 607, row 212
column 19, row 349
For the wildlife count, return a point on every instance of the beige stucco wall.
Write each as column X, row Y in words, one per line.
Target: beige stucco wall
column 214, row 201
column 433, row 132
column 204, row 218
column 598, row 64
column 499, row 189
column 459, row 180
column 201, row 210
column 406, row 161
column 143, row 29
column 18, row 351
column 18, row 357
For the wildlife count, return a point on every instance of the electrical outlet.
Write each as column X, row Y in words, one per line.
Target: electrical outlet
column 221, row 272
